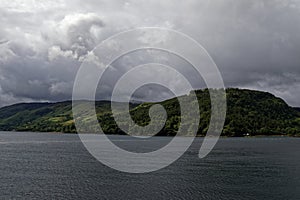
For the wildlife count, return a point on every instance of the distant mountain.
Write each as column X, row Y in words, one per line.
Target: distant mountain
column 248, row 113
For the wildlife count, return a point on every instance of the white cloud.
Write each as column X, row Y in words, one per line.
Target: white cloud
column 55, row 52
column 46, row 41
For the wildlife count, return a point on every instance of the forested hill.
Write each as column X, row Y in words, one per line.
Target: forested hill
column 248, row 113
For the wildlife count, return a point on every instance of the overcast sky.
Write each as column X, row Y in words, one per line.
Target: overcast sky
column 255, row 43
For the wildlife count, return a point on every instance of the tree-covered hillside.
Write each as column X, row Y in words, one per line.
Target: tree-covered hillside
column 248, row 113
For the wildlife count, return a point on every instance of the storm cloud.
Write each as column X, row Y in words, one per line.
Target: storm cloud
column 255, row 44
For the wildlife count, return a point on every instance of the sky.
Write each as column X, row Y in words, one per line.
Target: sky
column 255, row 43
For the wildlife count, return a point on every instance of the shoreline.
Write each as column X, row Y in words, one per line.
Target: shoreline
column 198, row 136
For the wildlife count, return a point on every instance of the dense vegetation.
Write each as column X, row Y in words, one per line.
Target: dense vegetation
column 248, row 113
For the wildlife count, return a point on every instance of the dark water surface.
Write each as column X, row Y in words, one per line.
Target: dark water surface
column 57, row 166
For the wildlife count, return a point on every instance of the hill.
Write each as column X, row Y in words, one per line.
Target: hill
column 248, row 113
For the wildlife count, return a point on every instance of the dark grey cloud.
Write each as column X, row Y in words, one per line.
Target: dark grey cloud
column 256, row 44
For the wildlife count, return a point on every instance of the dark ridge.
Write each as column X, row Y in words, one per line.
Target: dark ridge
column 249, row 112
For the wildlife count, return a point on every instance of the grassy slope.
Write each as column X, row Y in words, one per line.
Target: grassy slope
column 251, row 112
